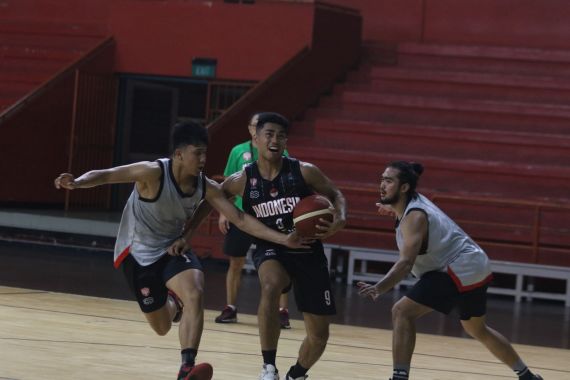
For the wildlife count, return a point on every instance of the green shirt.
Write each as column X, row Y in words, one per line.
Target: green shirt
column 241, row 155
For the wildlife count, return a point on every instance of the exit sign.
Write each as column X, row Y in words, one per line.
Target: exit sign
column 204, row 67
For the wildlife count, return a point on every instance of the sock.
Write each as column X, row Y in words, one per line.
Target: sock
column 189, row 356
column 269, row 356
column 401, row 373
column 297, row 371
column 522, row 371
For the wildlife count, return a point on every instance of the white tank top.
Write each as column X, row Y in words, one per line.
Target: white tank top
column 149, row 226
column 449, row 248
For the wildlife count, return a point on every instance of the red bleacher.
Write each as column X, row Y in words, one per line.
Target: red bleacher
column 33, row 48
column 489, row 123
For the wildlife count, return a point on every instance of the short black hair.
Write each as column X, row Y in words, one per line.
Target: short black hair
column 408, row 172
column 188, row 133
column 272, row 117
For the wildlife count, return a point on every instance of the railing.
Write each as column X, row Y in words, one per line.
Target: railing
column 55, row 80
column 222, row 95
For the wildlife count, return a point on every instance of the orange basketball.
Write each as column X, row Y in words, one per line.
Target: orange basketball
column 307, row 213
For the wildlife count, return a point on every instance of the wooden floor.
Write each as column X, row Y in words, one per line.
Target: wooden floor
column 56, row 336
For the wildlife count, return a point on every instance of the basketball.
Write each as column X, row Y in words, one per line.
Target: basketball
column 307, row 213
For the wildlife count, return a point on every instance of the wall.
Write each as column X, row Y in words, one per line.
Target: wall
column 335, row 48
column 525, row 23
column 249, row 41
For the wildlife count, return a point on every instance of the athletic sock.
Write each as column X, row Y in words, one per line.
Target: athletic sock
column 401, row 373
column 297, row 371
column 522, row 371
column 269, row 356
column 189, row 356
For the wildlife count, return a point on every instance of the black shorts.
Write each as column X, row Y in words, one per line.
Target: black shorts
column 148, row 283
column 309, row 276
column 438, row 291
column 237, row 242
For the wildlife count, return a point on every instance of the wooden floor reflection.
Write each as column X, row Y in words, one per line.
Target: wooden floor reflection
column 55, row 336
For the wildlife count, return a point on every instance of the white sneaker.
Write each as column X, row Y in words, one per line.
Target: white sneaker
column 269, row 372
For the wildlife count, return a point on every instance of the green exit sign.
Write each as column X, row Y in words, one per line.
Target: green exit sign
column 204, row 67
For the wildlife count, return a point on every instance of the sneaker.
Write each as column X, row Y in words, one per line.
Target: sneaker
column 288, row 377
column 203, row 371
column 284, row 319
column 228, row 315
column 269, row 372
column 179, row 306
column 537, row 377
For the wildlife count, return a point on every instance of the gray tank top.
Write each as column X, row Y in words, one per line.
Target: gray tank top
column 449, row 248
column 149, row 226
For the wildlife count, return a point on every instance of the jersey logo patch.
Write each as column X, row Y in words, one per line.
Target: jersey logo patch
column 254, row 194
column 145, row 292
column 274, row 192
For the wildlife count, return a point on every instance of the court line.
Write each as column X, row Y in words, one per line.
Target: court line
column 245, row 354
column 254, row 335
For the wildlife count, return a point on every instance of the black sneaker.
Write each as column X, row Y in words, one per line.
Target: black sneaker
column 284, row 319
column 179, row 306
column 228, row 315
column 203, row 371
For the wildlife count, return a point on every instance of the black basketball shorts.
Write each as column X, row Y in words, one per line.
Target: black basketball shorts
column 309, row 276
column 148, row 283
column 237, row 242
column 438, row 291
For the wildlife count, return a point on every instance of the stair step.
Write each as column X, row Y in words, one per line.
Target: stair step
column 485, row 59
column 443, row 142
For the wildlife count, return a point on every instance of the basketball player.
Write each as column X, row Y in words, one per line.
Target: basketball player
column 152, row 247
column 271, row 186
column 237, row 242
column 453, row 272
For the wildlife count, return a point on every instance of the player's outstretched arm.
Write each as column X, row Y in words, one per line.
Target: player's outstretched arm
column 319, row 182
column 216, row 196
column 137, row 172
column 414, row 231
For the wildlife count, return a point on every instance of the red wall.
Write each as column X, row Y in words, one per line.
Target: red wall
column 249, row 41
column 388, row 20
column 524, row 23
column 529, row 23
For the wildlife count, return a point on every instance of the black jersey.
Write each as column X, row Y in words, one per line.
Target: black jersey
column 272, row 202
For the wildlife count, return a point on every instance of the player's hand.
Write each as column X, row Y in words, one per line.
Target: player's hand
column 65, row 181
column 326, row 228
column 368, row 290
column 223, row 224
column 178, row 247
column 385, row 210
column 293, row 240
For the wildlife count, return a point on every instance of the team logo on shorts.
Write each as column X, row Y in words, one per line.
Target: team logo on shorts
column 148, row 301
column 254, row 194
column 253, row 182
column 145, row 292
column 270, row 252
column 274, row 192
column 246, row 156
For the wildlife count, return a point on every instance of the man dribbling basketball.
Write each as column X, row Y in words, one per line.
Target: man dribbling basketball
column 152, row 246
column 271, row 186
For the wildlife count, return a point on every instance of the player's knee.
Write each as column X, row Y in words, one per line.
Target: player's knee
column 400, row 312
column 475, row 331
column 161, row 328
column 271, row 288
column 320, row 338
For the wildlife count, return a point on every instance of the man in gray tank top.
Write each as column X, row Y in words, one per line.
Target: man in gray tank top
column 453, row 272
column 153, row 245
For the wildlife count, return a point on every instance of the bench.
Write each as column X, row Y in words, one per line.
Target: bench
column 519, row 270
